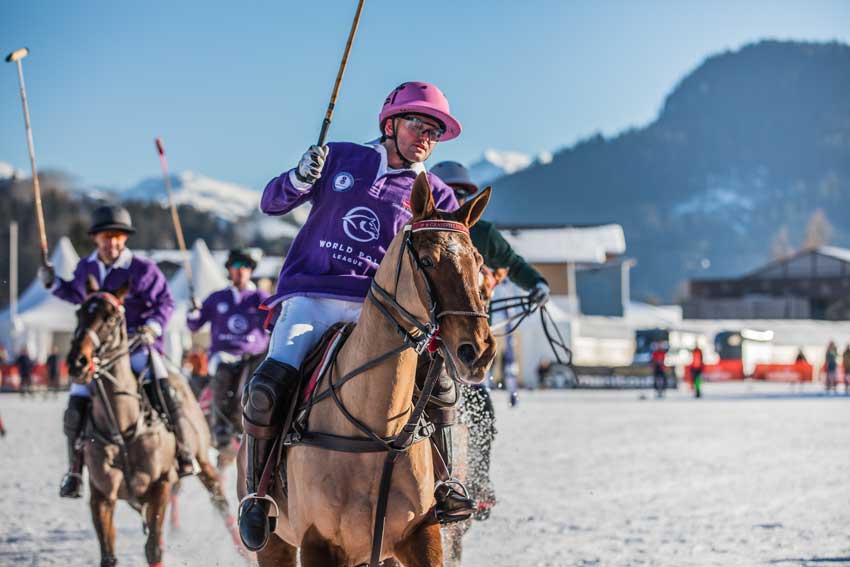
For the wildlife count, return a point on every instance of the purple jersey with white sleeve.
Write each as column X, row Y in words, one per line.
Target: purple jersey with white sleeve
column 236, row 321
column 148, row 302
column 359, row 205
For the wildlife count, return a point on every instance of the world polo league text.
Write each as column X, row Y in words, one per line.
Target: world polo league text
column 344, row 253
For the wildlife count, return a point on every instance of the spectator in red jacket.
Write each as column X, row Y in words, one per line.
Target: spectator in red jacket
column 697, row 367
column 659, row 375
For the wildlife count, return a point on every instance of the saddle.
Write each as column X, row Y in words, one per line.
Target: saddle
column 321, row 358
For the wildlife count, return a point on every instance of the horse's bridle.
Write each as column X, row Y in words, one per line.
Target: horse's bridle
column 426, row 335
column 101, row 338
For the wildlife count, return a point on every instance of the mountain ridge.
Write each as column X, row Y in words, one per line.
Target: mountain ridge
column 748, row 142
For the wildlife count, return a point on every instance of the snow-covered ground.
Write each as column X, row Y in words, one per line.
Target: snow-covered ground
column 749, row 475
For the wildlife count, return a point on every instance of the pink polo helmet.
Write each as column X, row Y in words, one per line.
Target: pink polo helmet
column 420, row 98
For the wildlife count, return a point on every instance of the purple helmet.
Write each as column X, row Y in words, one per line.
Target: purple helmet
column 420, row 98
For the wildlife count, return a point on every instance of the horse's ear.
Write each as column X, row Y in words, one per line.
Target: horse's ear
column 122, row 291
column 421, row 198
column 471, row 211
column 91, row 284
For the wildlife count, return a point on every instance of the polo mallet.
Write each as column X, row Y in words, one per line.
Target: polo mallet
column 16, row 56
column 330, row 112
column 175, row 219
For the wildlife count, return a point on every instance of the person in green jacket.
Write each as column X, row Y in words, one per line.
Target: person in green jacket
column 478, row 405
column 496, row 251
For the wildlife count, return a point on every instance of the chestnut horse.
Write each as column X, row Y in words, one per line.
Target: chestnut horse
column 129, row 458
column 430, row 271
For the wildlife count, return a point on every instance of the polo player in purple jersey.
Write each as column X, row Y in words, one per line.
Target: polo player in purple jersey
column 238, row 336
column 148, row 307
column 360, row 196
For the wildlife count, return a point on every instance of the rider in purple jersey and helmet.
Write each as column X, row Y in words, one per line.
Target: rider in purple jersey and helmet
column 237, row 334
column 360, row 196
column 148, row 307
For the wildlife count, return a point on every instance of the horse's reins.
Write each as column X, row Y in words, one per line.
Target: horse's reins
column 425, row 337
column 527, row 307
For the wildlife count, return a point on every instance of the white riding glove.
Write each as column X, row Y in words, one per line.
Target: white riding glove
column 309, row 169
column 539, row 293
column 149, row 333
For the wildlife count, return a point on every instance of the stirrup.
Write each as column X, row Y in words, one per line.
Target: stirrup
column 445, row 516
column 254, row 496
column 454, row 482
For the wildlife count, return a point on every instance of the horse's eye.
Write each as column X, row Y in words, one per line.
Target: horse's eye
column 427, row 262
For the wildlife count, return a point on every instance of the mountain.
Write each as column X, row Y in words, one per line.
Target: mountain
column 494, row 164
column 747, row 146
column 225, row 200
column 223, row 214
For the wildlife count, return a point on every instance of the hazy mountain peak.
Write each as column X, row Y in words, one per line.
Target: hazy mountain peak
column 224, row 199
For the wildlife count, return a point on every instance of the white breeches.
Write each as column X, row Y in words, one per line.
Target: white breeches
column 303, row 321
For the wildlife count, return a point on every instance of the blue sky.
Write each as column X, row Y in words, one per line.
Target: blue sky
column 238, row 90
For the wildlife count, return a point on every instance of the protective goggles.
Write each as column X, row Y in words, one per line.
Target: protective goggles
column 422, row 128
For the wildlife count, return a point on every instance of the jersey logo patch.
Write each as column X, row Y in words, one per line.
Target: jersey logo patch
column 343, row 181
column 237, row 324
column 361, row 224
column 222, row 307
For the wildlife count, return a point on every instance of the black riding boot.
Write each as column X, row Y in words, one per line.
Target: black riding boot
column 265, row 402
column 167, row 401
column 75, row 419
column 224, row 384
column 453, row 502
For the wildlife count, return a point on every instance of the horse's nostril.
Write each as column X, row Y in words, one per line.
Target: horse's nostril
column 467, row 353
column 81, row 361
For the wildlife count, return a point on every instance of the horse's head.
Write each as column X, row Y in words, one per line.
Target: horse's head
column 100, row 329
column 446, row 268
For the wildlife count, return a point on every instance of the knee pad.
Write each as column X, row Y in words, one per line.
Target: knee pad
column 75, row 416
column 443, row 401
column 271, row 382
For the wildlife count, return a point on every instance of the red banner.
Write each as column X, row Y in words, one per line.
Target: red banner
column 723, row 371
column 795, row 372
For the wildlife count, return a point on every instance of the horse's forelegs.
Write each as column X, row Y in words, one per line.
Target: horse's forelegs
column 277, row 553
column 211, row 481
column 174, row 511
column 157, row 503
column 102, row 509
column 422, row 548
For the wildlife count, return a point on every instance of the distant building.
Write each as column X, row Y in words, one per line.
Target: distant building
column 811, row 284
column 583, row 264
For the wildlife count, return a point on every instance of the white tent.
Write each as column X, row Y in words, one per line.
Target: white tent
column 208, row 275
column 40, row 314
